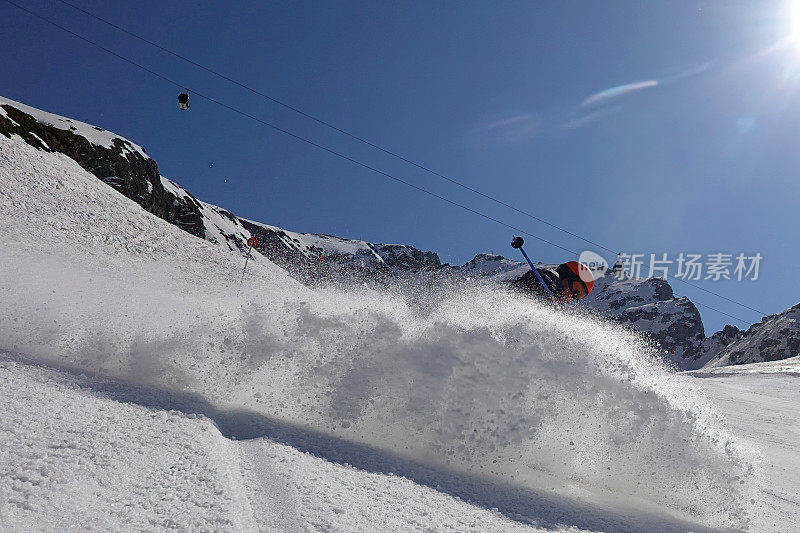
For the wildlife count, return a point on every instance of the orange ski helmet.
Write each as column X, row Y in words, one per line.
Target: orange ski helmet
column 583, row 273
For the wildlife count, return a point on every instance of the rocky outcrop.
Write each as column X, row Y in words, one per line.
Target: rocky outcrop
column 492, row 266
column 116, row 161
column 649, row 305
column 775, row 337
column 713, row 345
column 675, row 324
column 405, row 258
column 616, row 296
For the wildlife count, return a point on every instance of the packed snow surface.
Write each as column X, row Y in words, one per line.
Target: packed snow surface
column 479, row 389
column 102, row 457
column 760, row 401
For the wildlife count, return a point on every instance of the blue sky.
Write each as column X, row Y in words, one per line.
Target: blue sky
column 648, row 127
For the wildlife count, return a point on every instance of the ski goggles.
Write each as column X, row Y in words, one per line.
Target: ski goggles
column 578, row 288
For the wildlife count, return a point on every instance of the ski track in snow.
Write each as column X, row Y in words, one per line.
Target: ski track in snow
column 90, row 464
column 100, row 463
column 71, row 460
column 554, row 421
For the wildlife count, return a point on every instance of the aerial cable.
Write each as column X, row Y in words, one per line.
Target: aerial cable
column 332, row 126
column 289, row 133
column 721, row 312
column 348, row 158
column 376, row 146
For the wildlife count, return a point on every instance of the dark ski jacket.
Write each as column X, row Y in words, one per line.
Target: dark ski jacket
column 529, row 284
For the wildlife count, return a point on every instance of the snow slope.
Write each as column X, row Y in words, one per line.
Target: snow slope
column 73, row 458
column 100, row 458
column 760, row 401
column 789, row 367
column 106, row 455
column 480, row 387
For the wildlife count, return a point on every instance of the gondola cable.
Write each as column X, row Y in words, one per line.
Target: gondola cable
column 348, row 158
column 381, row 148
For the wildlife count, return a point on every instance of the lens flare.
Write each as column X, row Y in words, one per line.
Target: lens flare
column 619, row 91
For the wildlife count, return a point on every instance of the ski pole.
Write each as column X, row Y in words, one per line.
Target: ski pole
column 536, row 272
column 252, row 241
column 245, row 264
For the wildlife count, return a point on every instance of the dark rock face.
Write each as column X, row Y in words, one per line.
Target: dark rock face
column 122, row 167
column 186, row 214
column 713, row 345
column 727, row 335
column 774, row 338
column 662, row 290
column 675, row 324
column 407, row 258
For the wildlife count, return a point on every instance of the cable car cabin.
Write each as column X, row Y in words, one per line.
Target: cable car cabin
column 183, row 101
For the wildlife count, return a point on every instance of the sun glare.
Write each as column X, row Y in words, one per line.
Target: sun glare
column 793, row 12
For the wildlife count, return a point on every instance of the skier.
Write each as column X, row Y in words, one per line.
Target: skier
column 569, row 281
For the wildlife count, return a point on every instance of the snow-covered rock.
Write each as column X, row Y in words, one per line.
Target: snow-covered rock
column 493, row 266
column 774, row 338
column 613, row 297
column 320, row 247
column 402, row 257
column 713, row 345
column 675, row 324
column 98, row 137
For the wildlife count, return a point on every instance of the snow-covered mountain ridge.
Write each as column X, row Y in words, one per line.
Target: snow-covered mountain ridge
column 525, row 417
column 774, row 338
column 647, row 305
